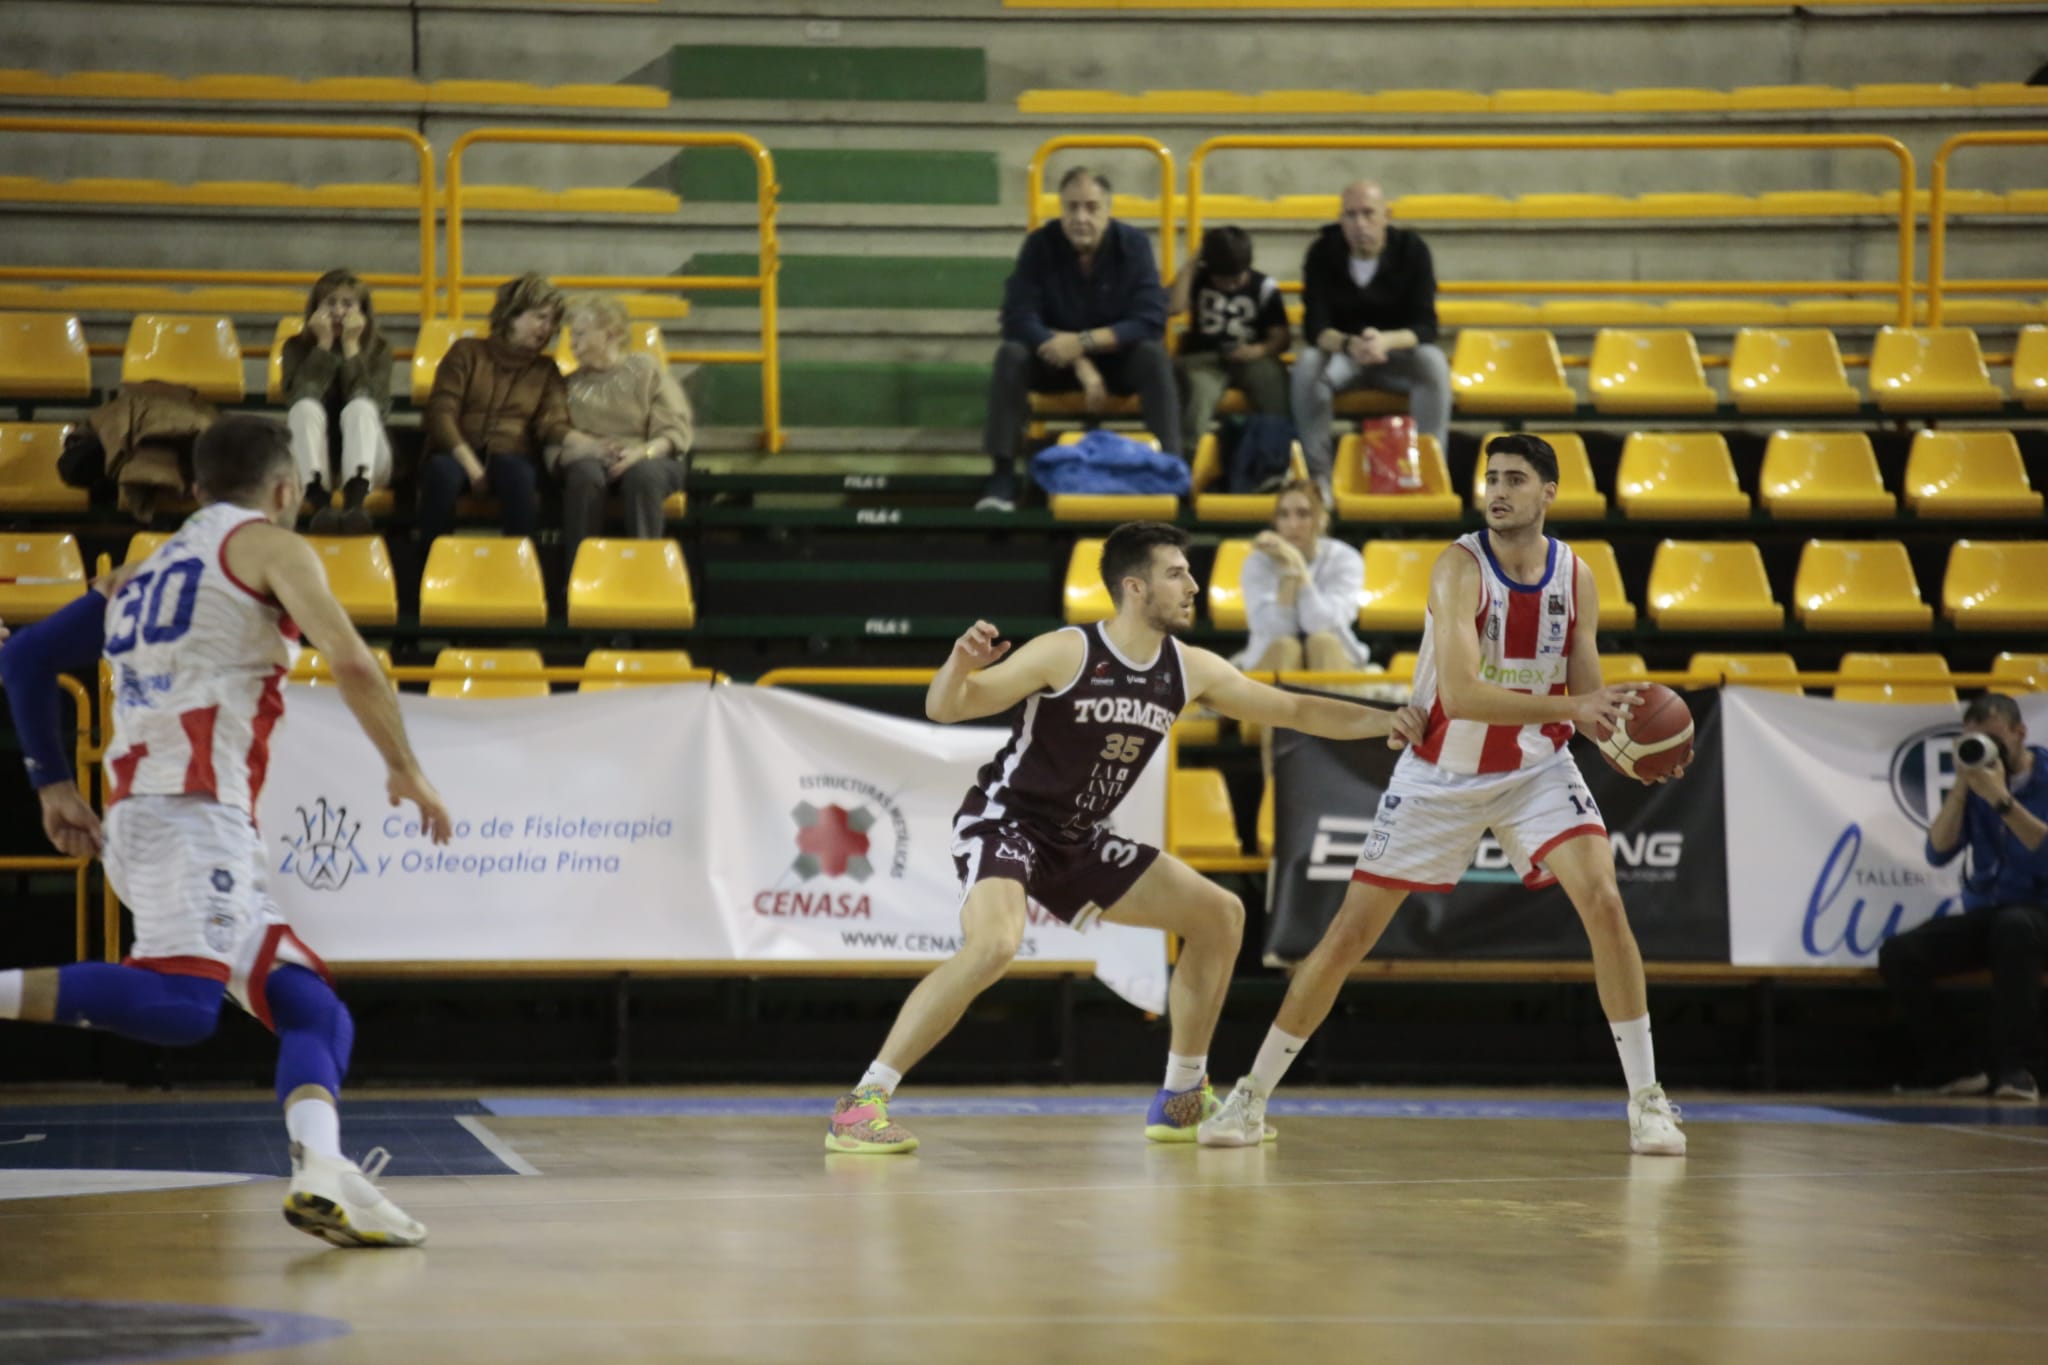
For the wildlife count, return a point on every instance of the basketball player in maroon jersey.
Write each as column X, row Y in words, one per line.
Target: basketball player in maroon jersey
column 1509, row 668
column 1097, row 702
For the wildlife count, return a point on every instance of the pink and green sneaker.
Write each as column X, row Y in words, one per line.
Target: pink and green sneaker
column 860, row 1123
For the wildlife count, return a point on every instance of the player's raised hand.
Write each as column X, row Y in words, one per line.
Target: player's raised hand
column 413, row 786
column 69, row 822
column 980, row 646
column 1411, row 724
column 1597, row 713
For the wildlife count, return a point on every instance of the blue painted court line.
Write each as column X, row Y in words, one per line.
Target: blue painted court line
column 1073, row 1106
column 274, row 1331
column 247, row 1137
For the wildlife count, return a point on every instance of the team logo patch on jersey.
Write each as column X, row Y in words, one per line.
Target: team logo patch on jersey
column 323, row 853
column 1375, row 845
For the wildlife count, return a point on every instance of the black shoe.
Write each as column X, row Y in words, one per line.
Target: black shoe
column 2017, row 1085
column 1001, row 493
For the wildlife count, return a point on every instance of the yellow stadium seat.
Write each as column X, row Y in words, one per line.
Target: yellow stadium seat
column 2030, row 369
column 1789, row 370
column 1819, row 203
column 1764, row 672
column 1369, row 403
column 1913, row 95
column 1679, row 476
column 1086, row 596
column 1554, row 206
column 1226, row 586
column 38, row 575
column 273, row 384
column 1711, row 585
column 1578, row 497
column 476, row 667
column 1671, row 100
column 1621, row 668
column 1265, row 830
column 1975, row 474
column 1823, row 474
column 270, row 89
column 624, row 667
column 1616, row 611
column 1217, row 505
column 28, row 469
column 1648, row 372
column 1401, row 668
column 43, row 355
column 1436, row 500
column 359, row 574
column 143, row 544
column 1931, row 369
column 1996, row 585
column 1858, row 585
column 643, row 337
column 1777, row 97
column 628, row 584
column 1551, row 102
column 1895, row 678
column 1194, row 728
column 2006, row 94
column 201, row 353
column 1202, row 823
column 366, row 90
column 1396, row 591
column 309, row 663
column 1432, row 102
column 2020, row 672
column 482, row 581
column 431, row 346
column 1509, row 372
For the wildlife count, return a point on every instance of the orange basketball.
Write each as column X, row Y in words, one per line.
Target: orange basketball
column 1656, row 738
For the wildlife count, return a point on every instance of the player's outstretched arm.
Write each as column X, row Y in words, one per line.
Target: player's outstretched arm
column 276, row 561
column 30, row 660
column 982, row 678
column 1213, row 681
column 1464, row 695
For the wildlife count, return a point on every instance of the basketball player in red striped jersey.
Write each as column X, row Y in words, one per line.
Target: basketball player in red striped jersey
column 1509, row 669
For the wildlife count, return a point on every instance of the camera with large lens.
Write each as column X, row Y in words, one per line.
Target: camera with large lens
column 1975, row 751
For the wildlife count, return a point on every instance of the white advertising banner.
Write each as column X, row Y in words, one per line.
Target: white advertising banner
column 1828, row 806
column 687, row 822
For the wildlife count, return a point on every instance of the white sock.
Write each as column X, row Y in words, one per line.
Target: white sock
column 10, row 995
column 1185, row 1073
column 877, row 1074
column 315, row 1125
column 1276, row 1054
column 1638, row 1061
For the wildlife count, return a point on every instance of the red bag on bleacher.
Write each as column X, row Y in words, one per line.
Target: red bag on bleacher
column 1393, row 463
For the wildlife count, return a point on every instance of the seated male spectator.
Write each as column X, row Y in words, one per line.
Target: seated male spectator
column 1237, row 332
column 1368, row 320
column 498, row 404
column 630, row 405
column 337, row 378
column 1083, row 309
column 1998, row 809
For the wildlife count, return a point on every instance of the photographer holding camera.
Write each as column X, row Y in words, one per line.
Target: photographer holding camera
column 1998, row 808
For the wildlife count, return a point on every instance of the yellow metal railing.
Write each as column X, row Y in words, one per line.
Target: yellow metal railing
column 423, row 154
column 1902, row 287
column 1035, row 182
column 766, row 357
column 1938, row 282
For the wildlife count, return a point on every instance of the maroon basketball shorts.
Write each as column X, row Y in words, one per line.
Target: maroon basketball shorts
column 1074, row 881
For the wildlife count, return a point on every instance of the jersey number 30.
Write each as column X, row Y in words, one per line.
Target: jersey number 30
column 156, row 606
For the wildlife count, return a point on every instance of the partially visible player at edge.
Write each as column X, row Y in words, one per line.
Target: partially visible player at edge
column 199, row 640
column 1509, row 668
column 1097, row 704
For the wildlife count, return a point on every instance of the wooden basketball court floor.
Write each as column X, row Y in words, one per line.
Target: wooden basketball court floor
column 1036, row 1225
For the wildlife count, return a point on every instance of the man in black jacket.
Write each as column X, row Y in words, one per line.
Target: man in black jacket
column 1369, row 319
column 1083, row 309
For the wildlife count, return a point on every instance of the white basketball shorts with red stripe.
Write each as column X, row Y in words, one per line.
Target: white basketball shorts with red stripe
column 1430, row 822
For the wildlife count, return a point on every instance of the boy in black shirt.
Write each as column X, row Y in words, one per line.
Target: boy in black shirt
column 1237, row 331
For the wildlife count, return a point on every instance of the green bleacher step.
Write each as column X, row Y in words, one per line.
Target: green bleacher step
column 868, row 282
column 744, row 71
column 828, row 393
column 842, row 175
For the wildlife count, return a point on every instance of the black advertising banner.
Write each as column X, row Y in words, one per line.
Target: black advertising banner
column 1669, row 855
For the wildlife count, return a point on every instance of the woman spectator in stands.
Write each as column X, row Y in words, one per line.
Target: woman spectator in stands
column 337, row 379
column 498, row 406
column 635, row 421
column 1301, row 590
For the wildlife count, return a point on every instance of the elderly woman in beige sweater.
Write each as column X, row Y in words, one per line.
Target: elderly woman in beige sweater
column 632, row 409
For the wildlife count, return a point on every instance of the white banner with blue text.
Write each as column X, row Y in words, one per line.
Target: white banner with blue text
column 1828, row 807
column 658, row 823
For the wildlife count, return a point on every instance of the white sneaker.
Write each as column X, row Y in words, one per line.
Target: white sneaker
column 1241, row 1122
column 332, row 1198
column 1653, row 1124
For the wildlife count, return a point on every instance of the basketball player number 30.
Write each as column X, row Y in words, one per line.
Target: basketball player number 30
column 180, row 583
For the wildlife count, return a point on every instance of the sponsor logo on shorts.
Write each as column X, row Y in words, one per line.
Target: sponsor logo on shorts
column 1375, row 845
column 1006, row 849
